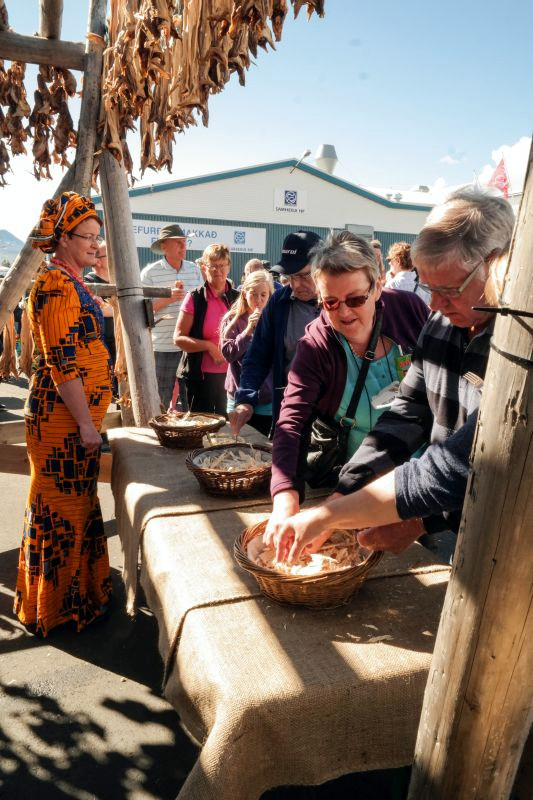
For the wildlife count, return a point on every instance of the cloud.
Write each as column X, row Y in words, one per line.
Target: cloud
column 453, row 156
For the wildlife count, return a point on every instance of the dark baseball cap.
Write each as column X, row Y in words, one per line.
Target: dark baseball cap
column 295, row 252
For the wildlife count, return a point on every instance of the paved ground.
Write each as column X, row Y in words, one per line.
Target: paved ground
column 81, row 716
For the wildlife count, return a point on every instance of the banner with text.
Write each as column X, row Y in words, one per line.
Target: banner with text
column 238, row 239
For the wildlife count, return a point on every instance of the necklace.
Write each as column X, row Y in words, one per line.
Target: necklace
column 77, row 278
column 68, row 269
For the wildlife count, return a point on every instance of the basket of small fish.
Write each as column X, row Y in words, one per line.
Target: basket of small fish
column 237, row 469
column 185, row 430
column 325, row 579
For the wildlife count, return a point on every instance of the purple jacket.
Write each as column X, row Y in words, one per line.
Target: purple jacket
column 317, row 379
column 234, row 344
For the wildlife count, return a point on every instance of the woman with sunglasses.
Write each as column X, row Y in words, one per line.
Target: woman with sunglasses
column 330, row 356
column 63, row 573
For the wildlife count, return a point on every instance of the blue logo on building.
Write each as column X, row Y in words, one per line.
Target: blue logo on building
column 291, row 198
column 239, row 237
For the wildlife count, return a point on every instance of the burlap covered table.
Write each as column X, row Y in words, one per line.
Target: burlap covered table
column 276, row 695
column 150, row 481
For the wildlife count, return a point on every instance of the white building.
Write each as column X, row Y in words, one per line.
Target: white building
column 252, row 210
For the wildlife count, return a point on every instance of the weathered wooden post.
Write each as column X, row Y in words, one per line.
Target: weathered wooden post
column 478, row 703
column 92, row 91
column 120, row 241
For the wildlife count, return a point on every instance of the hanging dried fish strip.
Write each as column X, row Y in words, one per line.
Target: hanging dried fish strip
column 13, row 95
column 165, row 58
column 50, row 119
column 8, row 358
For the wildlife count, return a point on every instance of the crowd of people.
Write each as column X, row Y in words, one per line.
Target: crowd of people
column 362, row 379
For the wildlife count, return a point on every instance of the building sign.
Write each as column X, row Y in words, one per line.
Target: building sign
column 238, row 239
column 290, row 201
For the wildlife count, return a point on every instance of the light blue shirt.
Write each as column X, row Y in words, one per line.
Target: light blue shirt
column 381, row 373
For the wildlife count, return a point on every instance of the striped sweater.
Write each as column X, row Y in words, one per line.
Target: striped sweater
column 435, row 400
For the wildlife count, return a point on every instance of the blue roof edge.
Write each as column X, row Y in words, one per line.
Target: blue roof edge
column 270, row 167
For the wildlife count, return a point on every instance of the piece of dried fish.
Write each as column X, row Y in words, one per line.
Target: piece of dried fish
column 340, row 551
column 233, row 459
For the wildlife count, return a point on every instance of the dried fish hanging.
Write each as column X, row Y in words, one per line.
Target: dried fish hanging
column 121, row 370
column 48, row 121
column 51, row 120
column 26, row 346
column 165, row 57
column 12, row 129
column 8, row 358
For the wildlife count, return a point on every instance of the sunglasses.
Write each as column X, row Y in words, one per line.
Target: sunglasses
column 356, row 301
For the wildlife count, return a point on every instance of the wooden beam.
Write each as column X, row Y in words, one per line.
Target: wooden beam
column 14, row 461
column 478, row 703
column 125, row 263
column 4, row 21
column 110, row 290
column 91, row 97
column 50, row 16
column 13, row 432
column 36, row 50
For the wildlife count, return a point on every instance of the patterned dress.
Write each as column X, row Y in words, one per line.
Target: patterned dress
column 63, row 563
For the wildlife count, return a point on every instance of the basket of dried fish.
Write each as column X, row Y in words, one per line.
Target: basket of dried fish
column 185, row 430
column 237, row 469
column 326, row 579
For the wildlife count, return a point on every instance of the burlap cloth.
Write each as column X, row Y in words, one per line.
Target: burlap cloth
column 282, row 695
column 150, row 481
column 276, row 695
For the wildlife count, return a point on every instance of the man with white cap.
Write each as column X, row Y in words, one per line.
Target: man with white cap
column 173, row 272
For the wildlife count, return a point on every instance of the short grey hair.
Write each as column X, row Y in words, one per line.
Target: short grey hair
column 342, row 253
column 471, row 224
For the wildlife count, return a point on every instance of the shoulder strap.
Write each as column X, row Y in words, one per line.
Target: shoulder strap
column 367, row 360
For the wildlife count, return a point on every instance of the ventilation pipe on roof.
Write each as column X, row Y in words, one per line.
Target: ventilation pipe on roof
column 326, row 158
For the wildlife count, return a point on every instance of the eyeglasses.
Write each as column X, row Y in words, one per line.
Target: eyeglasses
column 356, row 301
column 300, row 276
column 89, row 237
column 216, row 267
column 452, row 291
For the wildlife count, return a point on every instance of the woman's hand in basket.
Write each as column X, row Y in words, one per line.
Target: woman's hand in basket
column 240, row 416
column 394, row 538
column 285, row 504
column 299, row 533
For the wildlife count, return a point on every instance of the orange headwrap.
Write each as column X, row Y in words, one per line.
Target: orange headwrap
column 59, row 216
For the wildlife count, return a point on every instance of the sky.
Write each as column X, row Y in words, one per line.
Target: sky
column 408, row 93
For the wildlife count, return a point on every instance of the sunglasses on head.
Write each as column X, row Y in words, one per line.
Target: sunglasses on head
column 351, row 302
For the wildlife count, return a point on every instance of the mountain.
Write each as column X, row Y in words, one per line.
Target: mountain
column 9, row 246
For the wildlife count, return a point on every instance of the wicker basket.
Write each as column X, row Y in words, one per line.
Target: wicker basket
column 243, row 483
column 327, row 590
column 171, row 436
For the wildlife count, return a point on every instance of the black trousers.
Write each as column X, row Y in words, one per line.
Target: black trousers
column 207, row 394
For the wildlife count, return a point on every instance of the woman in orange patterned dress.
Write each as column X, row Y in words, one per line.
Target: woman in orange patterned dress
column 63, row 564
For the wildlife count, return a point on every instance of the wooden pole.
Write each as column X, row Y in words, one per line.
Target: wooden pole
column 50, row 16
column 478, row 703
column 36, row 50
column 26, row 264
column 90, row 103
column 121, row 244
